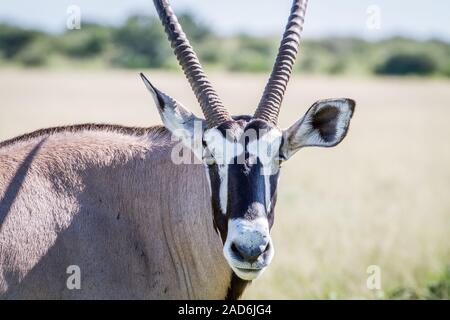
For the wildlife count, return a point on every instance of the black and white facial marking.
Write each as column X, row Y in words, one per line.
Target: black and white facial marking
column 242, row 159
column 244, row 171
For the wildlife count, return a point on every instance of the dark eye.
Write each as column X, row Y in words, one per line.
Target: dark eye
column 251, row 159
column 208, row 157
column 280, row 164
column 280, row 160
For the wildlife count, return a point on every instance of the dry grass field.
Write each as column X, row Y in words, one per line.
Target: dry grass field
column 379, row 198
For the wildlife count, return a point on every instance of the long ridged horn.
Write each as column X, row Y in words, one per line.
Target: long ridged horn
column 212, row 107
column 270, row 103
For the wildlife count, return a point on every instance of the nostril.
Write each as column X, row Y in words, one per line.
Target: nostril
column 248, row 254
column 236, row 251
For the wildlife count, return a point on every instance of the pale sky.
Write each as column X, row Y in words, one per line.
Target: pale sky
column 413, row 18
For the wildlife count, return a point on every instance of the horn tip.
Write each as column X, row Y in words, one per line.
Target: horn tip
column 143, row 77
column 147, row 82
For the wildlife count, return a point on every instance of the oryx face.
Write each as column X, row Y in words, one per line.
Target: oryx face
column 242, row 155
column 243, row 161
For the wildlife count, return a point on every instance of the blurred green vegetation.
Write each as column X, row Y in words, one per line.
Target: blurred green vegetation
column 438, row 289
column 140, row 42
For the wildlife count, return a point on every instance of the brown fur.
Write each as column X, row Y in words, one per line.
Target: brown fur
column 110, row 200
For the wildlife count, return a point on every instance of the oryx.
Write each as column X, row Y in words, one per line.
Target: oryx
column 102, row 211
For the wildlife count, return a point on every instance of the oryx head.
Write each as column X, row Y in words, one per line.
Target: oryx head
column 242, row 155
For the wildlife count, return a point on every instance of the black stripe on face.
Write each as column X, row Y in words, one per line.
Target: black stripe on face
column 246, row 186
column 220, row 219
column 273, row 196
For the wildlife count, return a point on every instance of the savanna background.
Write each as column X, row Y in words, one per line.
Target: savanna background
column 381, row 198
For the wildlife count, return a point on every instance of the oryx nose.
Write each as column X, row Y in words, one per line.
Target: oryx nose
column 250, row 252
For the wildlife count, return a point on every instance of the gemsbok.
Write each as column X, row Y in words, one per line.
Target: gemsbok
column 180, row 211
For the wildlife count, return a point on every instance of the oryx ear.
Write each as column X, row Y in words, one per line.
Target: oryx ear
column 180, row 121
column 325, row 124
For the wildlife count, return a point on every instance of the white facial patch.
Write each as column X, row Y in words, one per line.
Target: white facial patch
column 223, row 149
column 266, row 149
column 223, row 189
column 247, row 231
column 253, row 233
column 268, row 199
column 208, row 179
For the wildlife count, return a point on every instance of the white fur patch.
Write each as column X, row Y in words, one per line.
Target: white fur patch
column 223, row 189
column 266, row 149
column 222, row 149
column 267, row 188
column 252, row 232
column 208, row 179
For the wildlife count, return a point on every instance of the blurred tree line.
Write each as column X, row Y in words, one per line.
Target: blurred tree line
column 140, row 42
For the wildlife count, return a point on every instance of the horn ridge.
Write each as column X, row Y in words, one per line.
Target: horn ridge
column 270, row 103
column 210, row 103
